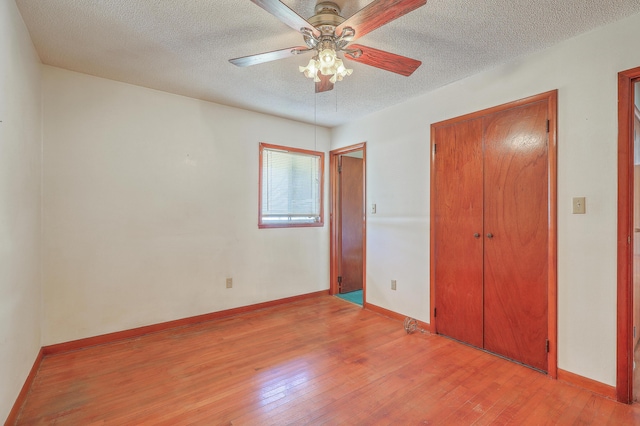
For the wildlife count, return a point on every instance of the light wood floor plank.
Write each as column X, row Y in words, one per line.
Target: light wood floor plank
column 315, row 361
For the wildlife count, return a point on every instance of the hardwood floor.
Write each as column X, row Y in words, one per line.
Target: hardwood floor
column 316, row 361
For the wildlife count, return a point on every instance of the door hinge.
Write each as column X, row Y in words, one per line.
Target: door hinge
column 339, row 280
column 634, row 331
column 548, row 125
column 434, row 312
column 339, row 169
column 435, row 148
column 629, row 239
column 547, row 345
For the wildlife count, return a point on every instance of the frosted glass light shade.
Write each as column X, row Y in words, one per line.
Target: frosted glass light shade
column 311, row 70
column 326, row 63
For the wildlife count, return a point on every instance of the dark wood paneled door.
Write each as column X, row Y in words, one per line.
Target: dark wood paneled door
column 351, row 189
column 458, row 231
column 516, row 233
column 491, row 220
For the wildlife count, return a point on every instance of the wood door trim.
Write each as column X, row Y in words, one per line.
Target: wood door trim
column 432, row 229
column 551, row 98
column 552, row 284
column 333, row 229
column 624, row 317
column 509, row 105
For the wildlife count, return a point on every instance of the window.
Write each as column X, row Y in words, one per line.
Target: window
column 291, row 187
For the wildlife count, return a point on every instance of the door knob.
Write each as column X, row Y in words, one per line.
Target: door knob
column 476, row 235
column 489, row 235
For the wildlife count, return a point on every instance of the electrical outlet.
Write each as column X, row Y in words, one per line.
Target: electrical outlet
column 393, row 284
column 373, row 208
column 229, row 282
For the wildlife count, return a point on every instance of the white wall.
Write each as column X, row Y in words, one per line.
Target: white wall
column 20, row 174
column 151, row 201
column 584, row 69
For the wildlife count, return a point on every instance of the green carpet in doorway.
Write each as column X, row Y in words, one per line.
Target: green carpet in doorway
column 353, row 297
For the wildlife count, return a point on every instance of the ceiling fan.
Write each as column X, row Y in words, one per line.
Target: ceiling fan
column 327, row 33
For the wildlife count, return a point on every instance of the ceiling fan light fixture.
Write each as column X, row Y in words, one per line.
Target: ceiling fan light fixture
column 327, row 59
column 340, row 72
column 311, row 70
column 326, row 63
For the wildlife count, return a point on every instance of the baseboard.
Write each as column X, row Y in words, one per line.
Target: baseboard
column 565, row 376
column 17, row 406
column 393, row 315
column 588, row 384
column 154, row 328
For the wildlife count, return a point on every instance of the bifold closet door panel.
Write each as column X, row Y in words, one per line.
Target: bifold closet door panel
column 516, row 232
column 458, row 231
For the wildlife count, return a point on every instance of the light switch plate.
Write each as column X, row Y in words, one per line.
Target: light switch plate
column 373, row 209
column 579, row 206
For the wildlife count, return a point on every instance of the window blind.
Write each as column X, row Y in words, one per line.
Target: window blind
column 290, row 187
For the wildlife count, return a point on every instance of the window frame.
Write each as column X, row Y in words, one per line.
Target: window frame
column 293, row 150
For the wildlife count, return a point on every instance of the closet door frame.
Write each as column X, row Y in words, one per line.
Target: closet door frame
column 625, row 317
column 551, row 98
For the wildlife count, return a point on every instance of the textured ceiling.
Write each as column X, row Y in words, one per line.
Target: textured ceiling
column 183, row 47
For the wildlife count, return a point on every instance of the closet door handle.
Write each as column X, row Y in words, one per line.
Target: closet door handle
column 476, row 235
column 489, row 235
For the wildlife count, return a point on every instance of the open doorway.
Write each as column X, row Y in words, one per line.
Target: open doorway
column 348, row 223
column 628, row 358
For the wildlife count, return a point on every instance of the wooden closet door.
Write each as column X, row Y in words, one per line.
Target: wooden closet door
column 458, row 231
column 351, row 223
column 516, row 224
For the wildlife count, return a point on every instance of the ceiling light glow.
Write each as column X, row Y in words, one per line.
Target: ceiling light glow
column 326, row 63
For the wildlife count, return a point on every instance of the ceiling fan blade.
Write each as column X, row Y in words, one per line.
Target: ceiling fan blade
column 260, row 58
column 286, row 15
column 377, row 13
column 384, row 60
column 324, row 85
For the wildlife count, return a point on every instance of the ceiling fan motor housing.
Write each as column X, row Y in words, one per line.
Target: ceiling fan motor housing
column 327, row 18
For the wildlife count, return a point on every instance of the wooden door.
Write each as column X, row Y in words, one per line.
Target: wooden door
column 458, row 231
column 636, row 237
column 498, row 164
column 351, row 268
column 516, row 233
